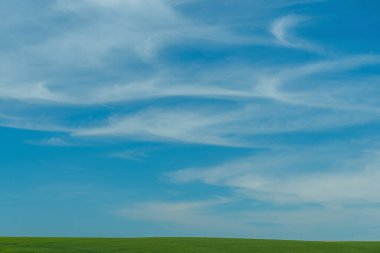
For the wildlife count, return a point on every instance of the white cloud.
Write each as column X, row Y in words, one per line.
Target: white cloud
column 266, row 97
column 186, row 212
column 220, row 125
column 131, row 154
column 306, row 84
column 190, row 217
column 169, row 124
column 282, row 30
column 275, row 83
column 277, row 100
column 289, row 177
column 134, row 26
column 138, row 27
column 29, row 122
column 220, row 217
column 52, row 141
column 29, row 92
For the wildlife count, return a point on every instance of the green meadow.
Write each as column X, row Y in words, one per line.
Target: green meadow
column 179, row 245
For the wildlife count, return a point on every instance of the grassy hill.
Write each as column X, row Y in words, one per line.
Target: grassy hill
column 179, row 245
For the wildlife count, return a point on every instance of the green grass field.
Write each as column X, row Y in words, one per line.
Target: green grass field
column 179, row 245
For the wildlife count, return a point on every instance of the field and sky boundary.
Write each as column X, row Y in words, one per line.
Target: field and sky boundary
column 178, row 245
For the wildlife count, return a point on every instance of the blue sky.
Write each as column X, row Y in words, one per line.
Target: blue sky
column 190, row 118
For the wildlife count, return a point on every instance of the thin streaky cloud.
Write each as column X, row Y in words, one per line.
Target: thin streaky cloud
column 283, row 31
column 267, row 85
column 52, row 141
column 185, row 214
column 132, row 154
column 353, row 181
column 274, row 83
column 190, row 126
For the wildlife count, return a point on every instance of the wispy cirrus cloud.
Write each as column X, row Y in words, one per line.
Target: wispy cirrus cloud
column 218, row 218
column 137, row 154
column 137, row 30
column 285, row 177
column 274, row 82
column 284, row 84
column 264, row 97
column 52, row 141
column 288, row 92
column 167, row 125
column 191, row 213
column 282, row 29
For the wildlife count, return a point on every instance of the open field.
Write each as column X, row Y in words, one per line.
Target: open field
column 179, row 245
